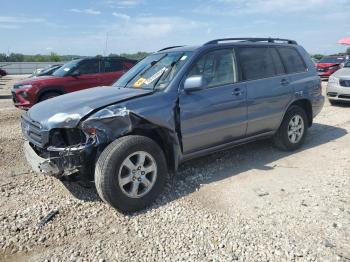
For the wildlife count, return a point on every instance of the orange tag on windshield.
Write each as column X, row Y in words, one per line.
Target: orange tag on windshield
column 139, row 82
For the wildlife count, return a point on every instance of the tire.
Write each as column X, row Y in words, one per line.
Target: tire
column 285, row 141
column 111, row 170
column 48, row 95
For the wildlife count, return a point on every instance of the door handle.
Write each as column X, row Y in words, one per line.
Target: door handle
column 284, row 82
column 237, row 91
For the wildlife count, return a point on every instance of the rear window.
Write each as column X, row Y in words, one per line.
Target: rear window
column 292, row 60
column 259, row 62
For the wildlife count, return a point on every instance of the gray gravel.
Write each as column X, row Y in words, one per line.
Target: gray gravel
column 251, row 203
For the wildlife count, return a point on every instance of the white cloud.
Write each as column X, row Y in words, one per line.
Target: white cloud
column 129, row 2
column 87, row 11
column 12, row 22
column 20, row 20
column 236, row 7
column 120, row 15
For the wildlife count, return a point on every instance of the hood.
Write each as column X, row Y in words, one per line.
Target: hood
column 67, row 110
column 322, row 65
column 37, row 79
column 343, row 73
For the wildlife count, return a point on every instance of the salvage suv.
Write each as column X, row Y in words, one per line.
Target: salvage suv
column 176, row 104
column 74, row 76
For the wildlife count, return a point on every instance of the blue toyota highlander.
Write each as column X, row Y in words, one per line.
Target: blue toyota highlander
column 176, row 104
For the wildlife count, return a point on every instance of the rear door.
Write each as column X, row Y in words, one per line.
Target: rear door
column 268, row 87
column 217, row 114
column 112, row 70
column 89, row 76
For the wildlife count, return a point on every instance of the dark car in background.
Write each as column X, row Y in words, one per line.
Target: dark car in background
column 2, row 72
column 329, row 64
column 76, row 75
column 176, row 104
column 47, row 71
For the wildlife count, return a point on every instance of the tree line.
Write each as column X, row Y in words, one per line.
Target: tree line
column 320, row 56
column 53, row 57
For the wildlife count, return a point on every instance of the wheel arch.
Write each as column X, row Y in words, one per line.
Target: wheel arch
column 58, row 89
column 305, row 104
column 167, row 141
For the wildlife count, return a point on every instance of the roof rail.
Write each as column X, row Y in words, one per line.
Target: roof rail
column 252, row 39
column 169, row 47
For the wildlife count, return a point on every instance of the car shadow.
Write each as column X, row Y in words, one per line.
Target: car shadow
column 231, row 162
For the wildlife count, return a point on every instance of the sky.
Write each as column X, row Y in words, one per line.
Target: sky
column 117, row 26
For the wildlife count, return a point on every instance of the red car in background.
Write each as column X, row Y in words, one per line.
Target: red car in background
column 329, row 64
column 75, row 75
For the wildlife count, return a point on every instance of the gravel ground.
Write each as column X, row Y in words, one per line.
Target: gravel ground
column 250, row 203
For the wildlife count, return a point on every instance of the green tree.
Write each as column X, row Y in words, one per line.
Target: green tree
column 317, row 56
column 3, row 57
column 347, row 51
column 15, row 57
column 54, row 57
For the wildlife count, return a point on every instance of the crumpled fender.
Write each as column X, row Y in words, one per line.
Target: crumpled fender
column 115, row 121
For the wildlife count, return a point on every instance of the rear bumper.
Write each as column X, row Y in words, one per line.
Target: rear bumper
column 39, row 164
column 317, row 105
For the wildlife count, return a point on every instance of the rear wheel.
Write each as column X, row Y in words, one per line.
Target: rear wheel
column 48, row 95
column 130, row 173
column 292, row 132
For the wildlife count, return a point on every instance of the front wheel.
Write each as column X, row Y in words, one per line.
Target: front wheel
column 292, row 132
column 48, row 95
column 130, row 173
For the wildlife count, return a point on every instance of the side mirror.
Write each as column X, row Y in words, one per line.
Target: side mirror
column 193, row 83
column 76, row 73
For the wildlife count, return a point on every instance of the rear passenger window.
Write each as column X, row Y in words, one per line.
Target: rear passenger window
column 256, row 62
column 279, row 68
column 113, row 65
column 292, row 60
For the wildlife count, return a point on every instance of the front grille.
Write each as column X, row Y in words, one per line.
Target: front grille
column 344, row 96
column 33, row 131
column 345, row 83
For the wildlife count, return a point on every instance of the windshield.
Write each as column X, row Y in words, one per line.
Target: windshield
column 155, row 71
column 49, row 69
column 347, row 63
column 332, row 60
column 66, row 68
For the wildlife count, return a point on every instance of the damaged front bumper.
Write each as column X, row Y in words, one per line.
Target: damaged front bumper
column 58, row 162
column 39, row 164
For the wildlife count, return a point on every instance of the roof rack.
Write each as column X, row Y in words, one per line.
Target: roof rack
column 252, row 39
column 170, row 47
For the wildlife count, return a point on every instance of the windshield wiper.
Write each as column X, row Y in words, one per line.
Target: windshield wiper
column 143, row 71
column 168, row 71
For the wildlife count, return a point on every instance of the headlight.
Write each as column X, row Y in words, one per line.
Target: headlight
column 23, row 86
column 333, row 80
column 332, row 67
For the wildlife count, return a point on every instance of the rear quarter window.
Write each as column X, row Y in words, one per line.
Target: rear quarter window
column 292, row 60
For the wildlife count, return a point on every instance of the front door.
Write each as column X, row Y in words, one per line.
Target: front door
column 216, row 114
column 89, row 76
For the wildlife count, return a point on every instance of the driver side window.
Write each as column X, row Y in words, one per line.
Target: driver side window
column 89, row 67
column 216, row 67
